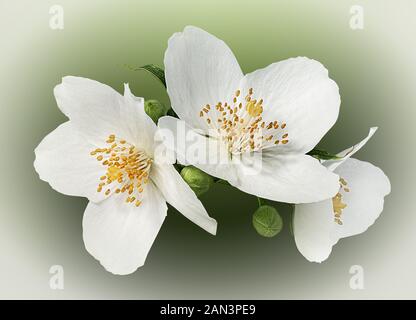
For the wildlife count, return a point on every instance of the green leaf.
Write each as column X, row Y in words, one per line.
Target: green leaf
column 322, row 155
column 156, row 71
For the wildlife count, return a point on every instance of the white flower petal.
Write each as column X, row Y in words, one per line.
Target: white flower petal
column 94, row 108
column 141, row 127
column 181, row 196
column 193, row 148
column 297, row 92
column 287, row 178
column 347, row 153
column 97, row 110
column 368, row 186
column 119, row 234
column 63, row 159
column 314, row 227
column 200, row 69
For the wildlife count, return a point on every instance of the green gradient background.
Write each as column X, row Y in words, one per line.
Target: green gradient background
column 374, row 68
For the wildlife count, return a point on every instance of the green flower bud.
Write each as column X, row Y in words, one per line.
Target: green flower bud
column 199, row 181
column 267, row 221
column 154, row 109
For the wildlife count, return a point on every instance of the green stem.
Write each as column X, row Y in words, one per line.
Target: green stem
column 260, row 201
column 221, row 181
column 292, row 216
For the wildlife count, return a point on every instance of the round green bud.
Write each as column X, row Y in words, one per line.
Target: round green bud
column 198, row 180
column 154, row 109
column 267, row 221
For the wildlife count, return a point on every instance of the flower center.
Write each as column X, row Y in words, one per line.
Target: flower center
column 127, row 169
column 240, row 124
column 337, row 203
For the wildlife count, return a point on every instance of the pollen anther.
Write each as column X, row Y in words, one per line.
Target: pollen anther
column 241, row 126
column 127, row 166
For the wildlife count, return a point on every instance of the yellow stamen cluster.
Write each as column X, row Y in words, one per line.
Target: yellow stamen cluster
column 240, row 124
column 127, row 169
column 337, row 203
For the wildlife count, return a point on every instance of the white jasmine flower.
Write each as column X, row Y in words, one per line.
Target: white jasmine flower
column 280, row 113
column 362, row 188
column 106, row 152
